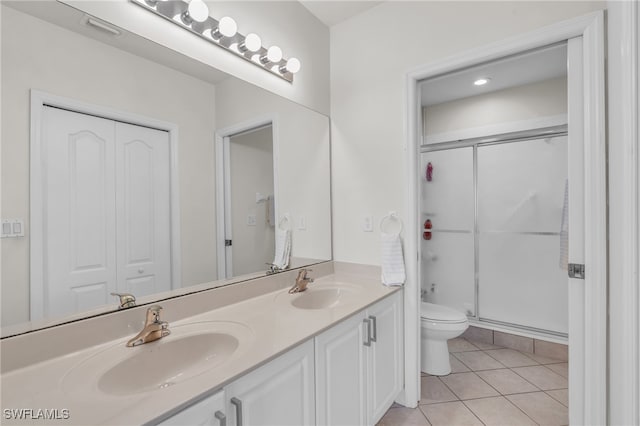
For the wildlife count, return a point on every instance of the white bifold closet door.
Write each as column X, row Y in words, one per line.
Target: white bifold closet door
column 106, row 211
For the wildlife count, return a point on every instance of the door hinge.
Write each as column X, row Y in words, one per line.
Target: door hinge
column 576, row 270
column 228, row 243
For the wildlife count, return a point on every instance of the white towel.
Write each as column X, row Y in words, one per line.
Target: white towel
column 564, row 230
column 283, row 248
column 393, row 273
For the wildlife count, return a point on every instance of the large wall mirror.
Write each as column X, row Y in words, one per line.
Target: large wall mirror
column 128, row 168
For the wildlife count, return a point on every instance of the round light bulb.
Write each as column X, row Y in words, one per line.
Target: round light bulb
column 274, row 54
column 293, row 65
column 482, row 81
column 252, row 42
column 227, row 27
column 198, row 10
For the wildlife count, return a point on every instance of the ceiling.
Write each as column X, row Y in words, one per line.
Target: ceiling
column 331, row 12
column 531, row 67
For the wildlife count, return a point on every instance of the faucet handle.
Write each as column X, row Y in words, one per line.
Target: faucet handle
column 127, row 300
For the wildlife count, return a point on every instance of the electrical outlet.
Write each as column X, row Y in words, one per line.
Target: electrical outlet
column 251, row 220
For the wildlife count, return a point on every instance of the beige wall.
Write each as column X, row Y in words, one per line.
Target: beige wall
column 301, row 151
column 38, row 55
column 370, row 57
column 540, row 99
column 251, row 164
column 287, row 24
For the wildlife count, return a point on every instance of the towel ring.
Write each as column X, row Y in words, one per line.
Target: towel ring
column 286, row 221
column 386, row 219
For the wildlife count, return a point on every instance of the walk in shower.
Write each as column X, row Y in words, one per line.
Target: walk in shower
column 492, row 210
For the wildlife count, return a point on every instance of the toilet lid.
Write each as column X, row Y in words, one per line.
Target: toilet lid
column 441, row 313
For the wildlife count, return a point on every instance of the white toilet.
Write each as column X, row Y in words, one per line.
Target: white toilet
column 437, row 325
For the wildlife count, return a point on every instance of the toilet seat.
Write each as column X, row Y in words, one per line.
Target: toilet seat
column 439, row 313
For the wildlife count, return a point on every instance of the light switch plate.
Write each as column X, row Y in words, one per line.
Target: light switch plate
column 12, row 228
column 367, row 224
column 251, row 220
column 302, row 223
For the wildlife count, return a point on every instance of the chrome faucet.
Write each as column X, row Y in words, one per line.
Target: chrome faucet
column 154, row 328
column 127, row 300
column 301, row 281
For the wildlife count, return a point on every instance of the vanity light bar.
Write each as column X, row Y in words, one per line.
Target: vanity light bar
column 223, row 34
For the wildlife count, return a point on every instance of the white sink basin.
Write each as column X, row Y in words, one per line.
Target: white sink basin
column 189, row 350
column 322, row 296
column 318, row 299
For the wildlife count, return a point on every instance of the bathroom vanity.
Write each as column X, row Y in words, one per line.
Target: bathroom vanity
column 330, row 355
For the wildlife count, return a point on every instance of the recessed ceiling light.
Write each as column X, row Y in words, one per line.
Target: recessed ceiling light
column 482, row 81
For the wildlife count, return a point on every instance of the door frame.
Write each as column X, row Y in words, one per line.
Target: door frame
column 588, row 368
column 39, row 100
column 223, row 189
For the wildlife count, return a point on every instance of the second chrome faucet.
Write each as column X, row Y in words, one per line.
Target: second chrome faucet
column 154, row 328
column 301, row 281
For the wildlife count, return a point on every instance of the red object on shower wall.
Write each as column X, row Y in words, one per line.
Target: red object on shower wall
column 429, row 172
column 427, row 229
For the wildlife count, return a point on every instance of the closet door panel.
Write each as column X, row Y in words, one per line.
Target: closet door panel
column 79, row 212
column 143, row 209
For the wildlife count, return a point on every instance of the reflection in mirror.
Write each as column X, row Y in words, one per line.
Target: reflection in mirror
column 249, row 187
column 110, row 161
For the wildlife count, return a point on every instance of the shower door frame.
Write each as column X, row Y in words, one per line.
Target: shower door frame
column 586, row 77
column 550, row 128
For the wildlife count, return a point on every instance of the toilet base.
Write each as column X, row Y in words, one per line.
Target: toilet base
column 434, row 358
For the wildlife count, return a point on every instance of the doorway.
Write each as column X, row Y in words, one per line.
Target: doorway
column 247, row 190
column 587, row 203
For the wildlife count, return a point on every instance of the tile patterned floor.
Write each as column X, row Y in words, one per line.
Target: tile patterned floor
column 489, row 385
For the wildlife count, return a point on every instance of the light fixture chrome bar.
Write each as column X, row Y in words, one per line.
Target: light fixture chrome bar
column 175, row 12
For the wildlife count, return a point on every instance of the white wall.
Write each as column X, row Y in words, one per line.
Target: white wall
column 540, row 99
column 251, row 164
column 39, row 55
column 285, row 23
column 301, row 152
column 370, row 56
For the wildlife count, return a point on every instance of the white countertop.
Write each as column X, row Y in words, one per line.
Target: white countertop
column 274, row 324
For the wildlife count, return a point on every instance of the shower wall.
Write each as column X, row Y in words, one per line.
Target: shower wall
column 496, row 213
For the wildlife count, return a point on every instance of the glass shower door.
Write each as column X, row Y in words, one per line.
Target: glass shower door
column 520, row 189
column 448, row 204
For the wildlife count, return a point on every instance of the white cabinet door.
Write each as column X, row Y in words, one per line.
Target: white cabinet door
column 207, row 412
column 279, row 393
column 359, row 366
column 386, row 355
column 340, row 374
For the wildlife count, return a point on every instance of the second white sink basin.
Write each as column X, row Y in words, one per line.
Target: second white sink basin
column 322, row 296
column 189, row 350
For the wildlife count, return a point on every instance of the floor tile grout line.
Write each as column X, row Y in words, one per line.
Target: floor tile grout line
column 536, row 362
column 556, row 399
column 521, row 410
column 451, row 390
column 423, row 414
column 473, row 412
column 537, row 385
